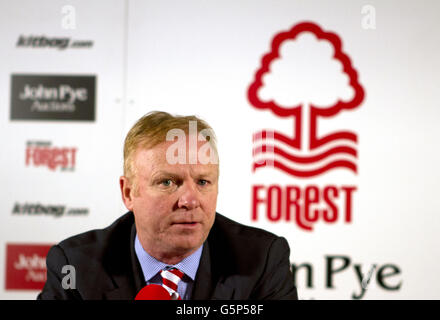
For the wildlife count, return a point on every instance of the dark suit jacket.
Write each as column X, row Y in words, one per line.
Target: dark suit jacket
column 237, row 262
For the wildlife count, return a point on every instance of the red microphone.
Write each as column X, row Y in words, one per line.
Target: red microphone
column 153, row 292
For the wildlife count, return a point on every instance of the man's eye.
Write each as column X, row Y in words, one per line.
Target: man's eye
column 166, row 182
column 203, row 182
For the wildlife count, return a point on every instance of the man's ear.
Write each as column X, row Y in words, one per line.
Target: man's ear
column 126, row 192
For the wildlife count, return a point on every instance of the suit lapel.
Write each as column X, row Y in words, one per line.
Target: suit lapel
column 207, row 284
column 203, row 284
column 223, row 292
column 138, row 275
column 129, row 280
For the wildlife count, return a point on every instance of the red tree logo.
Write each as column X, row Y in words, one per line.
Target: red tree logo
column 306, row 75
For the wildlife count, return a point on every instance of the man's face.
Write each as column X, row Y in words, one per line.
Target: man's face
column 174, row 205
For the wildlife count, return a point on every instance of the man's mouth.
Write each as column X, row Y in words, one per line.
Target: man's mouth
column 186, row 224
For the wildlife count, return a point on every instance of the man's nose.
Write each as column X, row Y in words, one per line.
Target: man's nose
column 189, row 199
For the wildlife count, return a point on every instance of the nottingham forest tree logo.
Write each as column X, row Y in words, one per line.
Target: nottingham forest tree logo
column 306, row 76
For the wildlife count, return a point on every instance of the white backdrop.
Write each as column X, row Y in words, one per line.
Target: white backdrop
column 199, row 57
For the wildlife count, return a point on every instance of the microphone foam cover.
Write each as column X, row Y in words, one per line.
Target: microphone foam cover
column 153, row 292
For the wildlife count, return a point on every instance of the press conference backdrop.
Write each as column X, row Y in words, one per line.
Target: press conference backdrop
column 326, row 114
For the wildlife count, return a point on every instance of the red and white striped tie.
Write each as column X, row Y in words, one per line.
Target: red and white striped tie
column 170, row 281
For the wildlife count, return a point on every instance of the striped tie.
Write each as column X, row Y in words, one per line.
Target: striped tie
column 170, row 281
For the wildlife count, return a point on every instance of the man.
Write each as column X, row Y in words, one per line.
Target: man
column 171, row 238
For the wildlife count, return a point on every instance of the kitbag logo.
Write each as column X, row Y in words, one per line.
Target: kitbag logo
column 43, row 154
column 55, row 210
column 37, row 42
column 26, row 266
column 307, row 77
column 49, row 97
